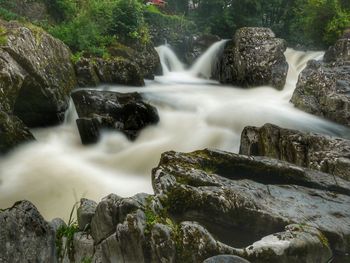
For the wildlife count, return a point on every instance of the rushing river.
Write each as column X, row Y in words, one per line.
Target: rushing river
column 56, row 171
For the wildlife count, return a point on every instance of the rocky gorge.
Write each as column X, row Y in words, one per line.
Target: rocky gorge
column 284, row 198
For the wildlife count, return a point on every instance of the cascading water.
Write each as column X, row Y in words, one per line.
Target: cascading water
column 203, row 65
column 56, row 171
column 169, row 60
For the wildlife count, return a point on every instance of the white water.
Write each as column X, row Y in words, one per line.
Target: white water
column 57, row 170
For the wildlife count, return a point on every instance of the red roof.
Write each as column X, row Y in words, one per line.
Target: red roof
column 158, row 2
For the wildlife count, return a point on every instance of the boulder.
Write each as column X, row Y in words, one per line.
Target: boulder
column 320, row 152
column 147, row 233
column 85, row 212
column 93, row 71
column 255, row 57
column 36, row 75
column 12, row 132
column 340, row 51
column 144, row 55
column 125, row 112
column 323, row 87
column 253, row 197
column 126, row 66
column 25, row 236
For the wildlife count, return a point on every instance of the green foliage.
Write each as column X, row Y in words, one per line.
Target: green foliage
column 3, row 36
column 320, row 22
column 65, row 235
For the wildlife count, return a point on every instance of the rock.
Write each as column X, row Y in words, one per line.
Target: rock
column 252, row 196
column 36, row 75
column 126, row 66
column 83, row 247
column 340, row 52
column 162, row 243
column 85, row 213
column 225, row 259
column 86, row 73
column 255, row 57
column 57, row 223
column 34, row 10
column 89, row 129
column 25, row 236
column 323, row 87
column 118, row 71
column 103, row 222
column 125, row 112
column 320, row 152
column 12, row 132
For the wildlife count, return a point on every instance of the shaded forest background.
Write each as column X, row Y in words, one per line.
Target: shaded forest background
column 91, row 26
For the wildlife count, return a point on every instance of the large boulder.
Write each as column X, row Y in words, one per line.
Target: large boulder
column 12, row 132
column 36, row 74
column 254, row 197
column 126, row 66
column 323, row 87
column 25, row 236
column 324, row 153
column 255, row 57
column 340, row 51
column 93, row 71
column 139, row 229
column 125, row 112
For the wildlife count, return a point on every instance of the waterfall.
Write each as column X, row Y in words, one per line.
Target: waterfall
column 169, row 60
column 55, row 171
column 203, row 65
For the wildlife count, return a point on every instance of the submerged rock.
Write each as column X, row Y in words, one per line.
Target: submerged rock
column 25, row 236
column 323, row 87
column 36, row 75
column 12, row 132
column 255, row 57
column 125, row 112
column 320, row 152
column 253, row 196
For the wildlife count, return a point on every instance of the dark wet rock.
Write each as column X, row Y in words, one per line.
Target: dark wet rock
column 85, row 69
column 85, row 212
column 89, row 129
column 92, row 72
column 125, row 112
column 320, row 152
column 323, row 87
column 126, row 66
column 36, row 75
column 246, row 193
column 12, row 132
column 255, row 57
column 225, row 259
column 25, row 236
column 340, row 51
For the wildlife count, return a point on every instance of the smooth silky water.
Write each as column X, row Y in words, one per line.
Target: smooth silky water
column 195, row 113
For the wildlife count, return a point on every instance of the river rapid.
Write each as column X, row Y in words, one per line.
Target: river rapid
column 195, row 113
